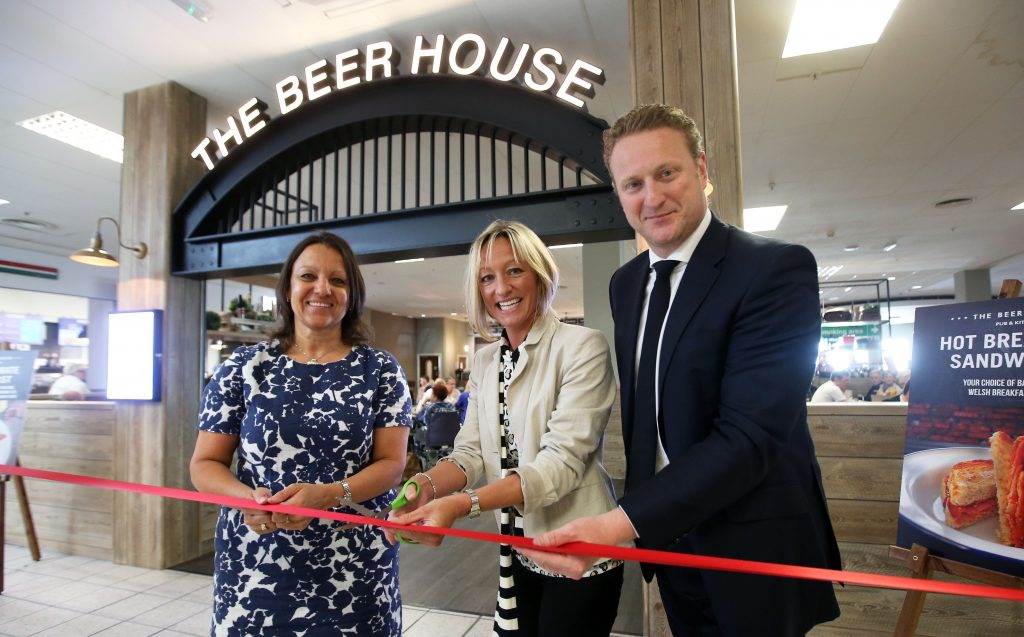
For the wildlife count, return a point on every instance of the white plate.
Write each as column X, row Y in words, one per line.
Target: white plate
column 921, row 500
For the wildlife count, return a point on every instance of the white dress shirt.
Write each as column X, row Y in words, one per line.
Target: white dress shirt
column 829, row 392
column 682, row 254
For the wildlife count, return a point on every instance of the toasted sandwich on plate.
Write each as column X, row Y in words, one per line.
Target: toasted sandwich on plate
column 1008, row 455
column 969, row 493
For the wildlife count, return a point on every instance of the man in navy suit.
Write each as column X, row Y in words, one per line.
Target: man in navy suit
column 716, row 334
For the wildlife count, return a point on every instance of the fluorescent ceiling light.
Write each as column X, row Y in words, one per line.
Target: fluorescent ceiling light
column 762, row 219
column 4, row 201
column 827, row 271
column 851, row 248
column 891, row 278
column 828, row 25
column 565, row 245
column 1019, row 206
column 916, row 287
column 889, row 247
column 409, row 260
column 847, row 289
column 78, row 133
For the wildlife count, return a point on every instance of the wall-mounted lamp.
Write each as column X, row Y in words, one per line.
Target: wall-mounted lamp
column 96, row 255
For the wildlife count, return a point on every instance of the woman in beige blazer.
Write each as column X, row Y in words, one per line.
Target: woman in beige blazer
column 540, row 396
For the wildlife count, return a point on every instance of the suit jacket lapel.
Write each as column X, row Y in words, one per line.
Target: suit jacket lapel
column 698, row 278
column 634, row 284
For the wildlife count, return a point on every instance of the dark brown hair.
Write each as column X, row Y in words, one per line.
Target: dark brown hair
column 439, row 391
column 353, row 330
column 649, row 117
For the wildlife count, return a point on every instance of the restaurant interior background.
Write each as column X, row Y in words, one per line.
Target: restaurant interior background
column 899, row 163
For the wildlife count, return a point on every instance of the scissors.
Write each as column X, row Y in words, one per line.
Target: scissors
column 399, row 502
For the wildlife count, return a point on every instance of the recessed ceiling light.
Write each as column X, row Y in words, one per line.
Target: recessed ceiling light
column 852, row 247
column 565, row 245
column 828, row 25
column 423, row 316
column 78, row 133
column 4, row 201
column 763, row 219
column 1019, row 206
column 891, row 278
column 847, row 289
column 833, row 298
column 409, row 260
column 854, row 276
column 916, row 287
column 453, row 314
column 889, row 247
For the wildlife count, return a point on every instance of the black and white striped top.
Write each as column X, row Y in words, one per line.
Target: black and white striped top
column 505, row 613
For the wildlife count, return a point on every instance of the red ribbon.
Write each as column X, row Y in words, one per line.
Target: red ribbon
column 587, row 549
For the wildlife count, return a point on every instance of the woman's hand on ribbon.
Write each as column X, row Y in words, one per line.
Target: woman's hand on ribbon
column 438, row 513
column 259, row 521
column 300, row 494
column 612, row 527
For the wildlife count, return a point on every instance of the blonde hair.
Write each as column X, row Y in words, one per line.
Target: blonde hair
column 528, row 250
column 649, row 117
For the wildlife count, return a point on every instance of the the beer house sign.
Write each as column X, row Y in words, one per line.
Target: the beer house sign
column 468, row 54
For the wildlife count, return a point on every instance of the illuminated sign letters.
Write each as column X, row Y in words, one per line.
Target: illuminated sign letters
column 540, row 70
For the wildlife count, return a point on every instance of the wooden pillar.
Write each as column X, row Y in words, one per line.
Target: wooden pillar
column 684, row 54
column 153, row 441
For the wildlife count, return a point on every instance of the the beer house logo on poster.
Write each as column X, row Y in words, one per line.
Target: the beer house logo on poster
column 537, row 69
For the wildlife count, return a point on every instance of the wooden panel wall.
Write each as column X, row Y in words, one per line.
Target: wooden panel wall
column 154, row 441
column 73, row 437
column 683, row 54
column 860, row 450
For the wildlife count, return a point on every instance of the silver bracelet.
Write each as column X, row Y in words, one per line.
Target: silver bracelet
column 433, row 487
column 346, row 496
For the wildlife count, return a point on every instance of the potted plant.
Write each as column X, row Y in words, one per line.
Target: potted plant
column 240, row 306
column 212, row 320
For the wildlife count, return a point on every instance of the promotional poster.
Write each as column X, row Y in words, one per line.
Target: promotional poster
column 963, row 468
column 15, row 384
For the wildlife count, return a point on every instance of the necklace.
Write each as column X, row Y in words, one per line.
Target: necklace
column 315, row 360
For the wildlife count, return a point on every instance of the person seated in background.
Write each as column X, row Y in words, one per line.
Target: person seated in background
column 461, row 405
column 834, row 390
column 875, row 376
column 71, row 386
column 436, row 402
column 890, row 391
column 453, row 390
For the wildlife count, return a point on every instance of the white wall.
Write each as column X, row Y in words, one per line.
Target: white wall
column 73, row 278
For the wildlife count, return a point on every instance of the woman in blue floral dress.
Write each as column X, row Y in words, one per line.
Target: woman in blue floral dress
column 317, row 418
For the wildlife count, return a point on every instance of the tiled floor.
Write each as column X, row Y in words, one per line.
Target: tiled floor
column 70, row 596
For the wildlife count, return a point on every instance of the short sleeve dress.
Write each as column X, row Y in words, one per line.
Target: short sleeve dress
column 304, row 423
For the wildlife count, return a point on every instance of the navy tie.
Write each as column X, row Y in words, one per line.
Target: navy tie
column 643, row 444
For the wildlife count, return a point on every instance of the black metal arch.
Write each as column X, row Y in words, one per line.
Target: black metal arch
column 517, row 154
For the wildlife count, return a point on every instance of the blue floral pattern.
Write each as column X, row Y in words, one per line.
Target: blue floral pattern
column 314, row 424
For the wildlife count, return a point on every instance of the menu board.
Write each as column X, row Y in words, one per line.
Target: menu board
column 15, row 384
column 965, row 435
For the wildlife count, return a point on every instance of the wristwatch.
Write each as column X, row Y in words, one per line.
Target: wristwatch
column 474, row 503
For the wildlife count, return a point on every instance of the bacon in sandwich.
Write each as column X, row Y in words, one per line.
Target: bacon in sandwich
column 1008, row 455
column 969, row 493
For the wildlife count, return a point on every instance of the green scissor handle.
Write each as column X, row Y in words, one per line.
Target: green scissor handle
column 401, row 501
